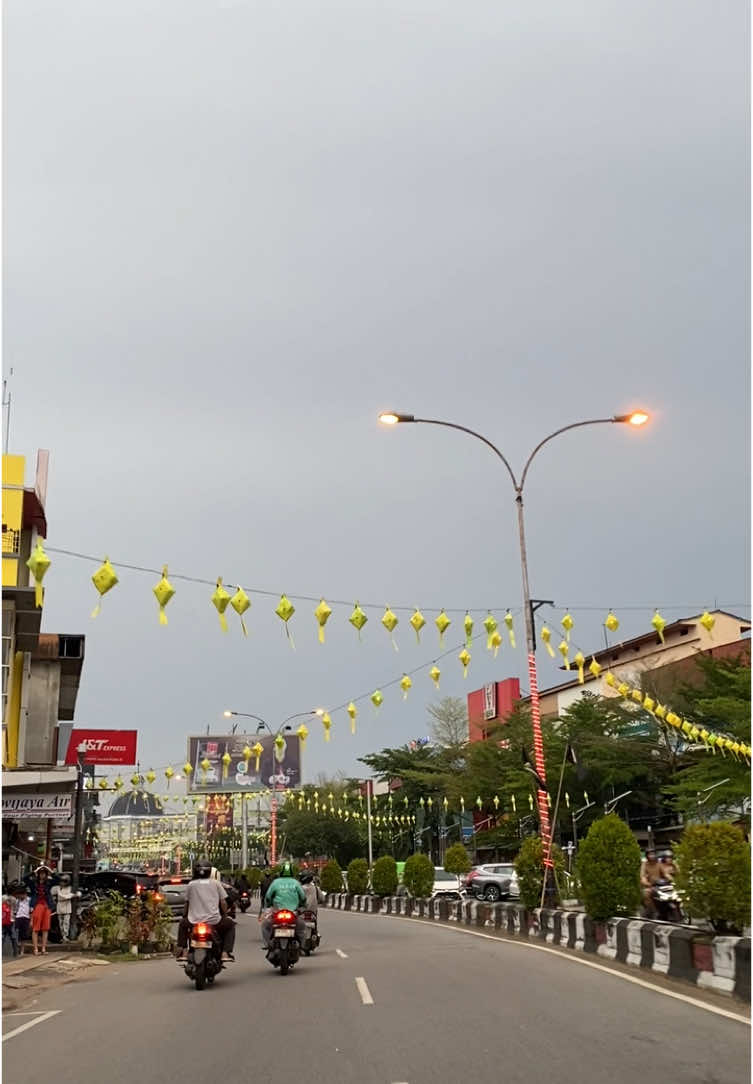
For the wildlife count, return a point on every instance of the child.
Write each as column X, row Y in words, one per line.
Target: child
column 23, row 915
column 9, row 929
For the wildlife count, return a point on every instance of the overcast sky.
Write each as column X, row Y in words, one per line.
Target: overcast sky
column 235, row 231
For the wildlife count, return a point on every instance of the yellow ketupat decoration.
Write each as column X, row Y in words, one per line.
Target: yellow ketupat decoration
column 205, row 765
column 468, row 628
column 580, row 662
column 285, row 610
column 225, row 764
column 352, row 712
column 102, row 784
column 418, row 621
column 611, row 622
column 443, row 623
column 322, row 614
column 567, row 625
column 496, row 639
column 246, row 753
column 279, row 744
column 376, row 698
column 38, row 564
column 135, row 780
column 118, row 784
column 658, row 622
column 465, row 658
column 660, row 711
column 594, row 668
column 240, row 603
column 150, row 777
column 610, row 679
column 648, row 703
column 169, row 773
column 327, row 724
column 220, row 601
column 435, row 674
column 405, row 685
column 358, row 619
column 564, row 648
column 490, row 624
column 187, row 769
column 637, row 696
column 104, row 579
column 707, row 621
column 546, row 636
column 257, row 750
column 163, row 592
column 303, row 733
column 510, row 629
column 390, row 621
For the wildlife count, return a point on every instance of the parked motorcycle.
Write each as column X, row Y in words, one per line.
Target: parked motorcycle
column 284, row 949
column 667, row 902
column 244, row 902
column 311, row 940
column 204, row 960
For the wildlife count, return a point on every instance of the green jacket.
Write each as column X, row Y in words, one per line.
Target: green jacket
column 285, row 892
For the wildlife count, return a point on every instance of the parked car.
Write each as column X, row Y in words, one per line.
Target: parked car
column 128, row 883
column 447, row 886
column 493, row 882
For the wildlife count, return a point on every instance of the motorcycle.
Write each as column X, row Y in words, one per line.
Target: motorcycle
column 244, row 902
column 204, row 960
column 311, row 939
column 667, row 902
column 284, row 948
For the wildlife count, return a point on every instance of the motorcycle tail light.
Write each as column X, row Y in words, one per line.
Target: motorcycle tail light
column 158, row 897
column 201, row 930
column 284, row 917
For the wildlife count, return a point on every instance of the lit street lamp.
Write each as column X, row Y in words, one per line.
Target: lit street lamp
column 636, row 418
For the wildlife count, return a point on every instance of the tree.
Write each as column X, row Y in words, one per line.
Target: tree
column 457, row 860
column 332, row 877
column 321, row 834
column 418, row 875
column 609, row 865
column 713, row 874
column 449, row 722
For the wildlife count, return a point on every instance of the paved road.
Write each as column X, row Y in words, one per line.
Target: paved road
column 447, row 1007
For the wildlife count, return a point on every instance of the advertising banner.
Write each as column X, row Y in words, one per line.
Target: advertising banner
column 242, row 776
column 219, row 812
column 44, row 806
column 103, row 746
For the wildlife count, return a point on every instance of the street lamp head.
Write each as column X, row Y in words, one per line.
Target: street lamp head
column 389, row 417
column 227, row 714
column 318, row 711
column 636, row 418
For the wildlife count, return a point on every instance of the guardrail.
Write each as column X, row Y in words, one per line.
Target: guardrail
column 716, row 963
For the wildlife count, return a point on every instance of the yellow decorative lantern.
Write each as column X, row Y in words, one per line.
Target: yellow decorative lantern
column 564, row 649
column 220, row 601
column 708, row 621
column 637, row 696
column 580, row 662
column 405, row 685
column 658, row 622
column 490, row 624
column 611, row 622
column 567, row 625
column 322, row 614
column 443, row 623
column 352, row 712
column 225, row 764
column 418, row 621
column 377, row 698
column 660, row 711
column 135, row 780
column 303, row 733
column 465, row 658
column 594, row 668
column 389, row 620
column 546, row 636
column 257, row 750
column 38, row 564
column 118, row 784
column 285, row 610
column 104, row 579
column 205, row 765
column 610, row 679
column 648, row 703
column 327, row 724
column 510, row 629
column 279, row 744
column 435, row 674
column 240, row 603
column 358, row 619
column 496, row 641
column 150, row 777
column 187, row 768
column 468, row 629
column 163, row 592
column 623, row 689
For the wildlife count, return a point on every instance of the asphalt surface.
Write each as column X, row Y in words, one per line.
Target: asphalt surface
column 383, row 1001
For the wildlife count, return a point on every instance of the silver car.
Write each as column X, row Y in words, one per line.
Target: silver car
column 493, row 882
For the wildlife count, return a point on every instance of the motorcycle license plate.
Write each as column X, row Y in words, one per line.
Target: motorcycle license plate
column 200, row 944
column 284, row 932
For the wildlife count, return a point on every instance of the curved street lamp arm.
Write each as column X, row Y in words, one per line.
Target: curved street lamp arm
column 298, row 715
column 556, row 433
column 478, row 436
column 247, row 715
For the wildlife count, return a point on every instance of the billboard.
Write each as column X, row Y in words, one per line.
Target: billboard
column 242, row 776
column 103, row 746
column 219, row 813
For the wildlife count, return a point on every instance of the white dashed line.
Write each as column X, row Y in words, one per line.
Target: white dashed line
column 363, row 990
column 30, row 1024
column 341, row 954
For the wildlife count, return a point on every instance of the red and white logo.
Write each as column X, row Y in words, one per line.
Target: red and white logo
column 103, row 746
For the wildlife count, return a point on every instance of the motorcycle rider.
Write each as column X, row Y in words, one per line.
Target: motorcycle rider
column 314, row 894
column 284, row 891
column 652, row 871
column 206, row 901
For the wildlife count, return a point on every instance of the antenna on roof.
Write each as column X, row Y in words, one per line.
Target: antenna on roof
column 6, row 411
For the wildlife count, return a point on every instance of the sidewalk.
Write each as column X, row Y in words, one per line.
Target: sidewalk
column 27, row 975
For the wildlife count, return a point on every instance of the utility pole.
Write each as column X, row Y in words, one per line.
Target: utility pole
column 368, row 822
column 77, row 840
column 244, row 832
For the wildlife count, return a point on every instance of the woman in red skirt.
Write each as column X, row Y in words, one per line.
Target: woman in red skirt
column 41, row 909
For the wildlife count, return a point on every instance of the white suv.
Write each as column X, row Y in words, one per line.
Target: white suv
column 446, row 885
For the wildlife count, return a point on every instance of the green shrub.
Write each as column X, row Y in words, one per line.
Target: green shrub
column 529, row 866
column 457, row 860
column 418, row 875
column 609, row 866
column 384, row 876
column 332, row 877
column 254, row 876
column 108, row 919
column 713, row 875
column 358, row 876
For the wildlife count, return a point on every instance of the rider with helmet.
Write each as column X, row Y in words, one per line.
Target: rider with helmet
column 206, row 901
column 314, row 894
column 284, row 892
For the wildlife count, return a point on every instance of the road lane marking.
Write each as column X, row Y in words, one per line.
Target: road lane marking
column 341, row 954
column 573, row 960
column 363, row 990
column 30, row 1024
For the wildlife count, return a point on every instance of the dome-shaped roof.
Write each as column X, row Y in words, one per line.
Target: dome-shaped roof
column 141, row 804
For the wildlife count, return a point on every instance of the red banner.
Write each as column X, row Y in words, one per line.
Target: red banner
column 103, row 746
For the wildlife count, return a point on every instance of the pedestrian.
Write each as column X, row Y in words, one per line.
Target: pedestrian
column 41, row 909
column 9, row 922
column 23, row 915
column 65, row 897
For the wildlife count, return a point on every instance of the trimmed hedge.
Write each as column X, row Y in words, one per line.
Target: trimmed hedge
column 609, row 868
column 384, row 876
column 418, row 875
column 332, row 877
column 358, row 876
column 713, row 874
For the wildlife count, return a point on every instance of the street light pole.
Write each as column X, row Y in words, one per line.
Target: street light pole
column 77, row 841
column 636, row 418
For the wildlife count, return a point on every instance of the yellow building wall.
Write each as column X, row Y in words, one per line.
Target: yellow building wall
column 14, row 468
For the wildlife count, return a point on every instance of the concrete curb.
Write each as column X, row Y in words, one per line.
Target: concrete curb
column 721, row 964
